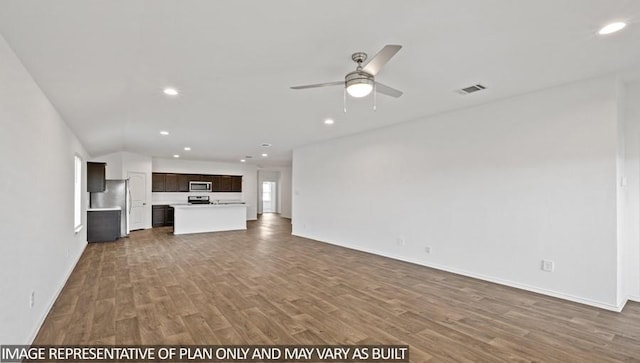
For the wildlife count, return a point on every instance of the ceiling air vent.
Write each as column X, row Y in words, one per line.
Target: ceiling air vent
column 471, row 89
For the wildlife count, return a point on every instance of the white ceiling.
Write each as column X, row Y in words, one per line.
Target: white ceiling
column 104, row 64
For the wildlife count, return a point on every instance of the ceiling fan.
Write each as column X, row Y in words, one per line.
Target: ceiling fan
column 361, row 82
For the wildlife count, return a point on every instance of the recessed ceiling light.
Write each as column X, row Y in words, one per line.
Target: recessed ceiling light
column 266, row 144
column 328, row 121
column 164, row 133
column 612, row 28
column 187, row 149
column 242, row 160
column 170, row 91
column 176, row 156
column 264, row 155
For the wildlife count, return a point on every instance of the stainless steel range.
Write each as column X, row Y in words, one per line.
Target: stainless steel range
column 198, row 199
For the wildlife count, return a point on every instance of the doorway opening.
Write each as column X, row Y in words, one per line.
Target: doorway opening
column 269, row 197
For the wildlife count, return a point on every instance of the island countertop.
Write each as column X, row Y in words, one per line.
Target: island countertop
column 220, row 205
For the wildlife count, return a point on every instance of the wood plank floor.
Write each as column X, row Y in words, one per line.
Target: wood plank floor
column 264, row 286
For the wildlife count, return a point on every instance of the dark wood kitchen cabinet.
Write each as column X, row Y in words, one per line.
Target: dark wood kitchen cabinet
column 173, row 182
column 162, row 215
column 157, row 215
column 226, row 184
column 103, row 226
column 216, row 183
column 183, row 182
column 165, row 182
column 168, row 216
column 158, row 182
column 96, row 177
column 236, row 183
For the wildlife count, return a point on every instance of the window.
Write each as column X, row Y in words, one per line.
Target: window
column 77, row 194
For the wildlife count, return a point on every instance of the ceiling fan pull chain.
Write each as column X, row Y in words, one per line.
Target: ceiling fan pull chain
column 344, row 99
column 375, row 98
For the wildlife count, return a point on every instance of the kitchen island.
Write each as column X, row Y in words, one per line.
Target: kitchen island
column 200, row 218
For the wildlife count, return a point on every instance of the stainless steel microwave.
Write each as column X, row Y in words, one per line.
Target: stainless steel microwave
column 199, row 186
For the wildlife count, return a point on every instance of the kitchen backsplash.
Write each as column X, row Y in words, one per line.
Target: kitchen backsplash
column 168, row 198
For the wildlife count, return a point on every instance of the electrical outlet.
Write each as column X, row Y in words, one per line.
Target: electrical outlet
column 427, row 249
column 32, row 299
column 400, row 241
column 547, row 265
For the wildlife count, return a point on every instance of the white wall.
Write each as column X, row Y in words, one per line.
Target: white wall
column 492, row 190
column 119, row 165
column 630, row 247
column 39, row 248
column 284, row 195
column 249, row 181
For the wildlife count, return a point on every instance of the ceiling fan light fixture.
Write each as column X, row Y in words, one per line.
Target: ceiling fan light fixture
column 359, row 84
column 359, row 90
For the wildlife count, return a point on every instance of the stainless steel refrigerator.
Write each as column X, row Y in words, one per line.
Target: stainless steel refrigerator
column 116, row 194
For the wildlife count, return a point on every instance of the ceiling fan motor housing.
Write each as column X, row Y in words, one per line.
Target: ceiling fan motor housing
column 357, row 77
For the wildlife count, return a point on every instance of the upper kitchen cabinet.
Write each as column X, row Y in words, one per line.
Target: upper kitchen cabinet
column 183, row 182
column 171, row 183
column 165, row 182
column 158, row 182
column 236, row 183
column 216, row 183
column 96, row 177
column 226, row 184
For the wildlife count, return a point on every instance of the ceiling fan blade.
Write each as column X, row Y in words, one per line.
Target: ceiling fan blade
column 379, row 60
column 386, row 90
column 328, row 84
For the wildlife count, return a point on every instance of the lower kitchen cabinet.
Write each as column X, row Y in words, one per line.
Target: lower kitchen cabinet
column 103, row 226
column 162, row 215
column 157, row 215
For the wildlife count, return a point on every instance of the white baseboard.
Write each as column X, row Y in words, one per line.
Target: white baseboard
column 634, row 298
column 55, row 297
column 517, row 285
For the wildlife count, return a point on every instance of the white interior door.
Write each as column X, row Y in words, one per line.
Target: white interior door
column 138, row 189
